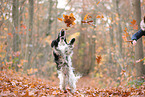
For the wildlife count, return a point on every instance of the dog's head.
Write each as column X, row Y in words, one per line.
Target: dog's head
column 63, row 46
column 61, row 49
column 62, row 37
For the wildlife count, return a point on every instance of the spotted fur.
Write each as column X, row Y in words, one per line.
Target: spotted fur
column 63, row 52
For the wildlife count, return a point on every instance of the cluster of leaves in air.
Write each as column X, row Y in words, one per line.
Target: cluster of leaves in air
column 68, row 19
column 89, row 21
column 126, row 35
column 14, row 84
column 134, row 25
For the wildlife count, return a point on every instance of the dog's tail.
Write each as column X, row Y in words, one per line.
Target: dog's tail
column 77, row 77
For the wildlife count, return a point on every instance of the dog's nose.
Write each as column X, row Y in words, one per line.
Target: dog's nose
column 62, row 32
column 62, row 37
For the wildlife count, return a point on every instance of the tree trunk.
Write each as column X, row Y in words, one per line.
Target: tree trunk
column 56, row 10
column 49, row 17
column 119, row 36
column 29, row 34
column 140, row 68
column 15, row 16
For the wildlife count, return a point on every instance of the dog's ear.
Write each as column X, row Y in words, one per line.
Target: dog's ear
column 72, row 41
column 54, row 43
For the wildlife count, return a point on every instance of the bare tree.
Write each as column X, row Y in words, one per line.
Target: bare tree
column 15, row 16
column 29, row 35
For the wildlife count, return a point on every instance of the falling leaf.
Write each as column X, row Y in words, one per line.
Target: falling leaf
column 99, row 16
column 133, row 22
column 126, row 33
column 140, row 60
column 124, row 38
column 60, row 19
column 6, row 29
column 134, row 25
column 10, row 34
column 98, row 3
column 85, row 18
column 23, row 26
column 98, row 58
column 68, row 19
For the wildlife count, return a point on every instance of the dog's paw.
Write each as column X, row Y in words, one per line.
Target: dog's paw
column 72, row 41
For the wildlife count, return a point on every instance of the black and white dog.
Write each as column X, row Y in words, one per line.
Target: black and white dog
column 63, row 52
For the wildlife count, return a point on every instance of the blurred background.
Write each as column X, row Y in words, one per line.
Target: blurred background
column 101, row 50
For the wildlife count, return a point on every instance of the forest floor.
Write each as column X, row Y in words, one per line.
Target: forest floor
column 14, row 84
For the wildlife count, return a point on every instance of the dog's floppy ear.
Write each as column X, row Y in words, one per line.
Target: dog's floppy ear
column 54, row 43
column 72, row 41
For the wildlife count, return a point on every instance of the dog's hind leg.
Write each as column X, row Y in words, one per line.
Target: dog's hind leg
column 62, row 84
column 72, row 81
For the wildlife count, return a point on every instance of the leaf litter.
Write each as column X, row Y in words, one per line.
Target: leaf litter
column 14, row 84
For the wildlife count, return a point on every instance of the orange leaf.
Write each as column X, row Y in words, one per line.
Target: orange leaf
column 133, row 22
column 60, row 19
column 69, row 20
column 124, row 38
column 140, row 60
column 134, row 25
column 85, row 18
column 126, row 33
column 98, row 58
column 10, row 34
column 98, row 16
column 98, row 3
column 125, row 29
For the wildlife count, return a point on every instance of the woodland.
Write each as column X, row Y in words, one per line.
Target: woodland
column 103, row 53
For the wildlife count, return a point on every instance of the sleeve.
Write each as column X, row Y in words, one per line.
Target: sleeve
column 137, row 35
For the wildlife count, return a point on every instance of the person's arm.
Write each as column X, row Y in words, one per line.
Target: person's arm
column 140, row 33
column 136, row 36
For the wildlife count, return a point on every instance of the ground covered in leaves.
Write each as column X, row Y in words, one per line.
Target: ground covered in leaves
column 13, row 84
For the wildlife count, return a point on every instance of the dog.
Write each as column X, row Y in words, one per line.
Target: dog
column 62, row 52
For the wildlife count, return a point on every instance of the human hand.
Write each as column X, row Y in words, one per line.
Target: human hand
column 134, row 42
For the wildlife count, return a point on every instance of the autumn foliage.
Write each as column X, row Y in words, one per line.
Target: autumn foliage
column 16, row 84
column 103, row 53
column 68, row 19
